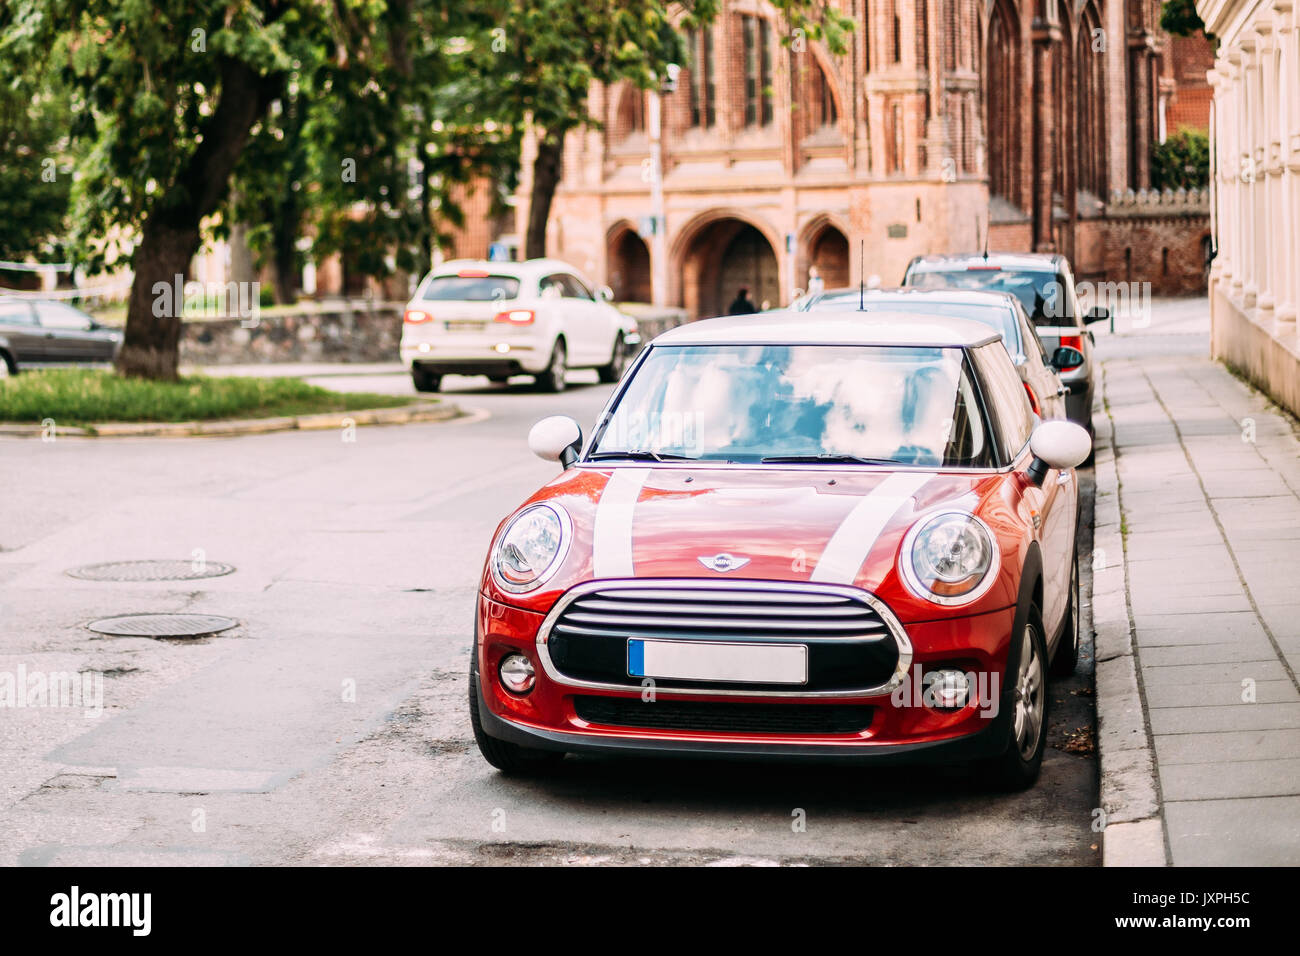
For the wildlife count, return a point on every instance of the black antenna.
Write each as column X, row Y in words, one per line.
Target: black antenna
column 862, row 275
column 986, row 240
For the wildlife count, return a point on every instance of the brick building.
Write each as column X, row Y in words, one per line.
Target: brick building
column 1031, row 119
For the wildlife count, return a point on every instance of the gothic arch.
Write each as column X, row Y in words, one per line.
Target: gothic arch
column 1004, row 103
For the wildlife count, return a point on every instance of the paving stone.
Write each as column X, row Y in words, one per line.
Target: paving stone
column 1193, row 720
column 1261, row 831
column 1226, row 746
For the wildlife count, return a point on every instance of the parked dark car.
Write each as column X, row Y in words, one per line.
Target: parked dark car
column 1044, row 284
column 37, row 332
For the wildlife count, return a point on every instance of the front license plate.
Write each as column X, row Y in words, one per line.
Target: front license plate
column 732, row 663
column 464, row 325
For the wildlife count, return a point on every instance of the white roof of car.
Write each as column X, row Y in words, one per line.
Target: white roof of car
column 786, row 327
column 504, row 267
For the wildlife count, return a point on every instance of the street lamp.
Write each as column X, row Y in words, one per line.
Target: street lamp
column 659, row 235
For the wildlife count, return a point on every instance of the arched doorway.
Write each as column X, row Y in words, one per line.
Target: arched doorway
column 628, row 269
column 725, row 256
column 828, row 253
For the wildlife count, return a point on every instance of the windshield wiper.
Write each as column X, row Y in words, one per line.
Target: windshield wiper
column 848, row 459
column 638, row 455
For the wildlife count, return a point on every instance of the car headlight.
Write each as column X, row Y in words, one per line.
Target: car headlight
column 949, row 558
column 531, row 548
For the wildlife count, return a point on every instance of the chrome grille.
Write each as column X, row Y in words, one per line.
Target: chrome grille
column 856, row 647
column 730, row 612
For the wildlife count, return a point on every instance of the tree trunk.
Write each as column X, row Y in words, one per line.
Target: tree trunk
column 546, row 176
column 170, row 237
column 284, row 240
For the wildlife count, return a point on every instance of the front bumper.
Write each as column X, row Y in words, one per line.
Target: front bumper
column 899, row 729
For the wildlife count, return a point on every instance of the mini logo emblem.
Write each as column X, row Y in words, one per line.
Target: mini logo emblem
column 722, row 562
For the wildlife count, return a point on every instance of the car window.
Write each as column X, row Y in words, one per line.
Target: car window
column 1046, row 296
column 551, row 287
column 1008, row 399
column 1030, row 334
column 16, row 313
column 55, row 315
column 464, row 287
column 575, row 289
column 746, row 403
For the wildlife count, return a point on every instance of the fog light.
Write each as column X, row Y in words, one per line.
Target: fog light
column 424, row 346
column 517, row 674
column 946, row 689
column 502, row 347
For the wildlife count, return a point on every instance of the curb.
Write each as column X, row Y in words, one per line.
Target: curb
column 1133, row 834
column 401, row 415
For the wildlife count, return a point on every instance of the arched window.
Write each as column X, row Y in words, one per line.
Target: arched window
column 1004, row 104
column 1089, row 102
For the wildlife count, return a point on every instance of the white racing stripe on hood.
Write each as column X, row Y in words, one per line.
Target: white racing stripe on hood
column 857, row 533
column 611, row 536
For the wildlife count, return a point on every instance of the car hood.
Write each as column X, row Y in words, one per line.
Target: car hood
column 833, row 526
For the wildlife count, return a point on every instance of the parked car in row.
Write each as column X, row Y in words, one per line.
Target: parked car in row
column 819, row 535
column 1045, row 286
column 1000, row 311
column 539, row 318
column 37, row 332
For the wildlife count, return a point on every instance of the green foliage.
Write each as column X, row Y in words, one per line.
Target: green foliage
column 86, row 396
column 1182, row 161
column 36, row 169
column 1179, row 18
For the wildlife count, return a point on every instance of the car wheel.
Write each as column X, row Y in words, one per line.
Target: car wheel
column 1067, row 651
column 499, row 379
column 1017, row 768
column 552, row 380
column 617, row 362
column 425, row 381
column 507, row 757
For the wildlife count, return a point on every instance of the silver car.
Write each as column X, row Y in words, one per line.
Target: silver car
column 1044, row 284
column 998, row 310
column 37, row 332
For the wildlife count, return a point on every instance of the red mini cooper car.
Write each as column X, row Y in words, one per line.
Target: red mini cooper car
column 817, row 535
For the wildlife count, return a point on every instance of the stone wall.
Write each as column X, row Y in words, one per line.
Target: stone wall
column 357, row 332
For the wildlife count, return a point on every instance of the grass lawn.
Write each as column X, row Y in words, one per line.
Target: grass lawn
column 86, row 396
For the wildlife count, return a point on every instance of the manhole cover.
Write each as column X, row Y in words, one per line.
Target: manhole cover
column 151, row 570
column 162, row 625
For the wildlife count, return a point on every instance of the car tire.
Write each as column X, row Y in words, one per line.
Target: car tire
column 507, row 757
column 1026, row 726
column 552, row 380
column 617, row 362
column 1067, row 650
column 424, row 380
column 499, row 379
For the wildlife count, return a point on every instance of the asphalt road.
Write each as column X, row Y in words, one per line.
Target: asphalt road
column 330, row 726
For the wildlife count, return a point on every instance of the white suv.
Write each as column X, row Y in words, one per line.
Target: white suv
column 539, row 318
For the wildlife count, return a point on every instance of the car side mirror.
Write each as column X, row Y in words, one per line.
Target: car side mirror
column 1066, row 357
column 1097, row 314
column 605, row 294
column 1057, row 444
column 558, row 438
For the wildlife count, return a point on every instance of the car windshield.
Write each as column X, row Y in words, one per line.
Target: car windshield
column 471, row 288
column 776, row 404
column 998, row 318
column 1043, row 294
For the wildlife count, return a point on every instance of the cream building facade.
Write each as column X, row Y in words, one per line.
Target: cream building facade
column 1255, row 278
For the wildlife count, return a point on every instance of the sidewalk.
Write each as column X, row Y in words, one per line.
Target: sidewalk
column 1209, row 503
